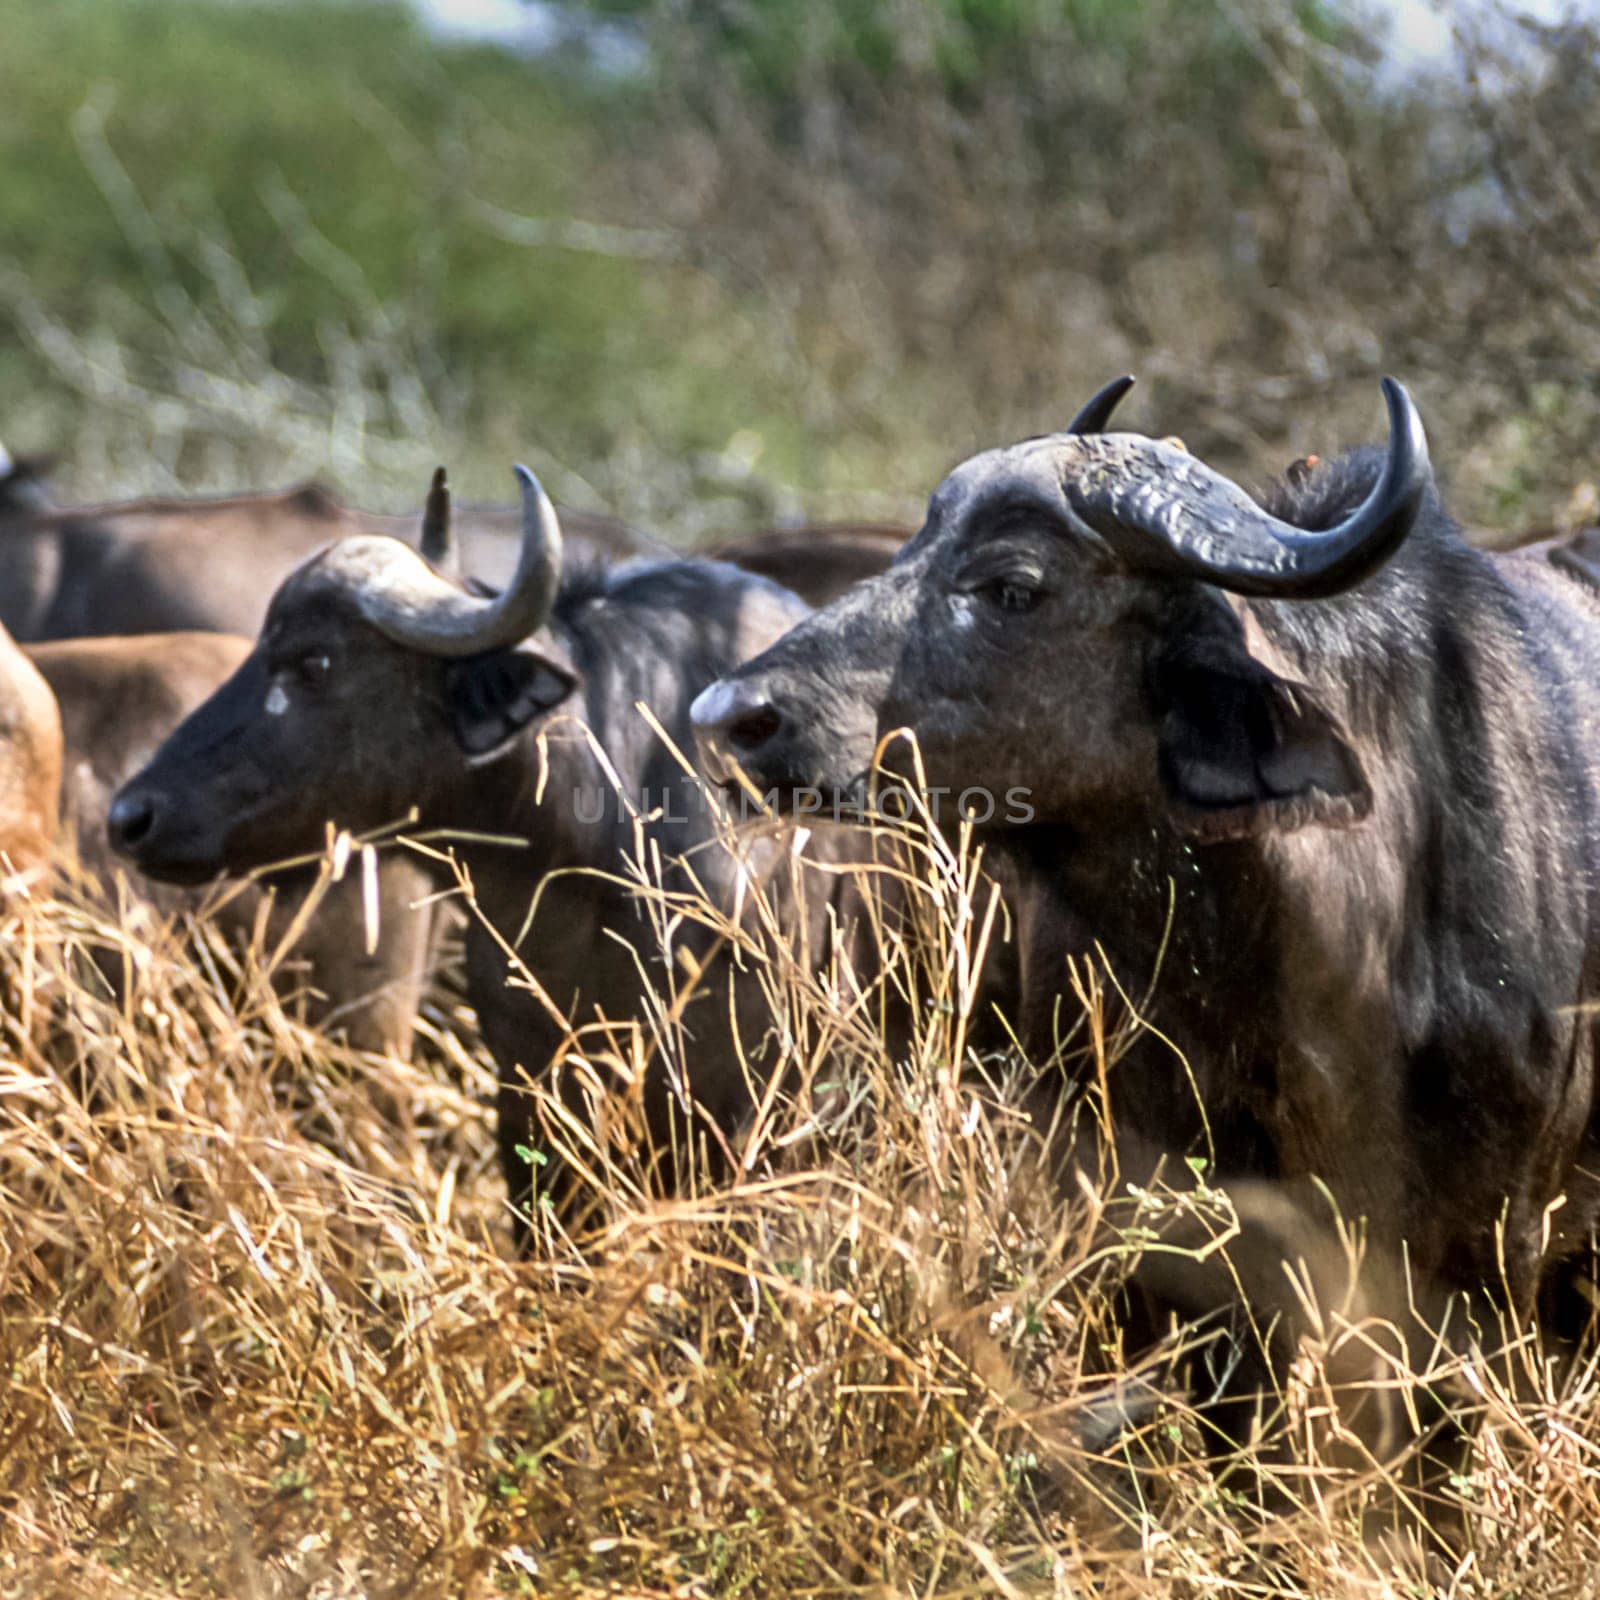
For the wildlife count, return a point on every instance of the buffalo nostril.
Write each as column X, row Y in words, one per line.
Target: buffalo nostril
column 734, row 713
column 129, row 821
column 751, row 729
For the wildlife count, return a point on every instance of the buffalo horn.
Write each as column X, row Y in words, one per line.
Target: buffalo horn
column 1163, row 511
column 1097, row 412
column 415, row 607
column 437, row 543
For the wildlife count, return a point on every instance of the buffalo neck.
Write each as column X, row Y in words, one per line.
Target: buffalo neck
column 592, row 785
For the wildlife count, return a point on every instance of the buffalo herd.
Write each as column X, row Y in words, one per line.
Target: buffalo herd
column 1311, row 773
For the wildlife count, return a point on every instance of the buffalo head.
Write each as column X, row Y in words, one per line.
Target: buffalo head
column 1063, row 639
column 375, row 677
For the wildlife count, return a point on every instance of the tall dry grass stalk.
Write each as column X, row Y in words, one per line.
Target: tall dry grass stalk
column 264, row 1333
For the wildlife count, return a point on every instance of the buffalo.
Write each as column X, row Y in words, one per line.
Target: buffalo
column 1320, row 775
column 381, row 687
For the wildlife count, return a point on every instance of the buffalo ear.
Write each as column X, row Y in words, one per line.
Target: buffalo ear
column 1242, row 751
column 492, row 698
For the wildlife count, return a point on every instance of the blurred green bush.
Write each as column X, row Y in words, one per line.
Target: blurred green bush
column 799, row 257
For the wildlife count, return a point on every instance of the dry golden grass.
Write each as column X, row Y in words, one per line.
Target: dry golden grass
column 264, row 1335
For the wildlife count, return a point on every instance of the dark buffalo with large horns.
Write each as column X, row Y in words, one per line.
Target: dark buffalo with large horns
column 1316, row 771
column 382, row 687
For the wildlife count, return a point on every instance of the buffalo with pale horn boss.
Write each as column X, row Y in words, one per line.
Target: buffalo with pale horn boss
column 381, row 687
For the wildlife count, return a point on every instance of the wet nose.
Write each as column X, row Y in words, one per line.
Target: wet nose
column 129, row 822
column 733, row 717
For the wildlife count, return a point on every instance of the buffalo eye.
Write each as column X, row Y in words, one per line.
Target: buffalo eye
column 1012, row 594
column 312, row 670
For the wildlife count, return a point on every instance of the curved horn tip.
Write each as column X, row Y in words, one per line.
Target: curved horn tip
column 538, row 510
column 437, row 542
column 1405, row 421
column 1096, row 412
